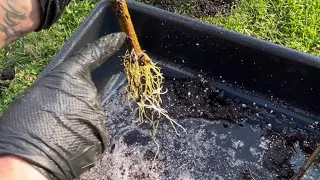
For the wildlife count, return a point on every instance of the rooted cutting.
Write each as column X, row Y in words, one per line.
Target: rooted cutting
column 145, row 80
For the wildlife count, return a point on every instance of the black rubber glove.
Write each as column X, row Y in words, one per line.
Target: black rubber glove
column 58, row 123
column 51, row 12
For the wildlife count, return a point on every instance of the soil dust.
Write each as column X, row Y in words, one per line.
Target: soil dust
column 225, row 139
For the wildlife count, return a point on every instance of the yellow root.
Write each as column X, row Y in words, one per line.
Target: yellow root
column 144, row 77
column 145, row 88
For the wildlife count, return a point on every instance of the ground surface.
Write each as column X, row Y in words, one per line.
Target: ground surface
column 196, row 8
column 292, row 23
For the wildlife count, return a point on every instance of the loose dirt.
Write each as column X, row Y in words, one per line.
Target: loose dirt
column 195, row 98
column 5, row 76
column 8, row 74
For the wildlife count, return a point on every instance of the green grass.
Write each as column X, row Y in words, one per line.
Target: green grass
column 30, row 55
column 292, row 23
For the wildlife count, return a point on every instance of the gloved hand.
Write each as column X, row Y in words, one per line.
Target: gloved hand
column 57, row 125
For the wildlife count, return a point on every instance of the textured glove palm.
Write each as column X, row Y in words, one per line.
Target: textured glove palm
column 57, row 124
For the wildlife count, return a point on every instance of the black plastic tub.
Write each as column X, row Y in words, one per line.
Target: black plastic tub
column 254, row 106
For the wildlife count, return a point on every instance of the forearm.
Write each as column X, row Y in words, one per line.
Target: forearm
column 12, row 168
column 18, row 18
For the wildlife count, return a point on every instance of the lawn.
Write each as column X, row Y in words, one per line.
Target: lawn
column 30, row 55
column 292, row 23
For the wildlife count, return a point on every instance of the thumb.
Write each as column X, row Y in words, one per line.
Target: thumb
column 94, row 54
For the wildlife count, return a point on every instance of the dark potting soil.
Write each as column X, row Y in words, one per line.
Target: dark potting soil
column 195, row 98
column 196, row 8
column 277, row 159
column 251, row 145
column 8, row 74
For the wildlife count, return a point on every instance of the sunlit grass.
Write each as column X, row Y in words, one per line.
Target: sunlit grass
column 30, row 55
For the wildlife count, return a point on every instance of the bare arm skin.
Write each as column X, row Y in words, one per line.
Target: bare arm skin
column 17, row 19
column 12, row 168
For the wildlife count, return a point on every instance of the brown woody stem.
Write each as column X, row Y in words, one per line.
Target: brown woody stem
column 310, row 161
column 122, row 12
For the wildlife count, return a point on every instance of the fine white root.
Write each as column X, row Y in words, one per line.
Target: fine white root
column 155, row 156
